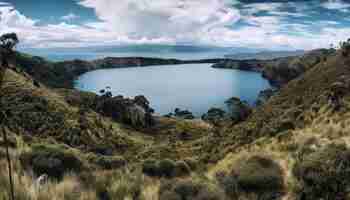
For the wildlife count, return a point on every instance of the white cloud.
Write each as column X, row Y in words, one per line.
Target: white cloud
column 163, row 18
column 336, row 5
column 172, row 22
column 69, row 17
column 254, row 8
column 9, row 17
column 4, row 4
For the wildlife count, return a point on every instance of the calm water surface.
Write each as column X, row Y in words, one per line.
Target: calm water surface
column 196, row 87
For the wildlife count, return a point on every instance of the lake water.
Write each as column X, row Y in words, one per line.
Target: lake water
column 196, row 87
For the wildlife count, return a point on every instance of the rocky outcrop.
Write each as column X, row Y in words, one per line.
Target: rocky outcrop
column 238, row 110
column 135, row 112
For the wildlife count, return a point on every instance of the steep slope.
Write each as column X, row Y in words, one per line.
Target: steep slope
column 41, row 115
column 304, row 129
column 289, row 108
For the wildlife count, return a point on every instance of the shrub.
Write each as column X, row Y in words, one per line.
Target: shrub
column 118, row 184
column 259, row 173
column 255, row 174
column 324, row 174
column 150, row 167
column 228, row 183
column 109, row 162
column 166, row 167
column 189, row 189
column 53, row 160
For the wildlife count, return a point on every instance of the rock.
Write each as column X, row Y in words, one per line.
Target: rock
column 42, row 180
column 214, row 115
column 265, row 95
column 239, row 110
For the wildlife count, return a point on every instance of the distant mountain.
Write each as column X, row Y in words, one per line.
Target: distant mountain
column 265, row 55
column 147, row 48
column 162, row 48
column 183, row 52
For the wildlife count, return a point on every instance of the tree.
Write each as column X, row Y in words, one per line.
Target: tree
column 8, row 41
column 7, row 44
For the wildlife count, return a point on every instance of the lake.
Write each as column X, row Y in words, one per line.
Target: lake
column 196, row 87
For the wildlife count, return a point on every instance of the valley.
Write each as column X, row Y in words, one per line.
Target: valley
column 103, row 146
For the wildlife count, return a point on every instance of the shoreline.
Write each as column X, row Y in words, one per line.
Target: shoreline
column 63, row 74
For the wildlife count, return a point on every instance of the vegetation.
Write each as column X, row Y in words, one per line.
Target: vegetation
column 189, row 189
column 294, row 146
column 324, row 173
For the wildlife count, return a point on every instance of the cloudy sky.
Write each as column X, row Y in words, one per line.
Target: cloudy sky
column 275, row 24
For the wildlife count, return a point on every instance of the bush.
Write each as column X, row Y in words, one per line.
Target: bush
column 255, row 174
column 150, row 167
column 53, row 160
column 109, row 162
column 228, row 183
column 259, row 173
column 166, row 167
column 189, row 189
column 324, row 174
column 117, row 184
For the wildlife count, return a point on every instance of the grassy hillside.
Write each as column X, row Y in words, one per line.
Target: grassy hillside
column 295, row 146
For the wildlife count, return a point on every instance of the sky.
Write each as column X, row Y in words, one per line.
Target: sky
column 260, row 24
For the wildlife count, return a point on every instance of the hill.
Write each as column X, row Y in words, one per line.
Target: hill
column 265, row 55
column 279, row 71
column 295, row 146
